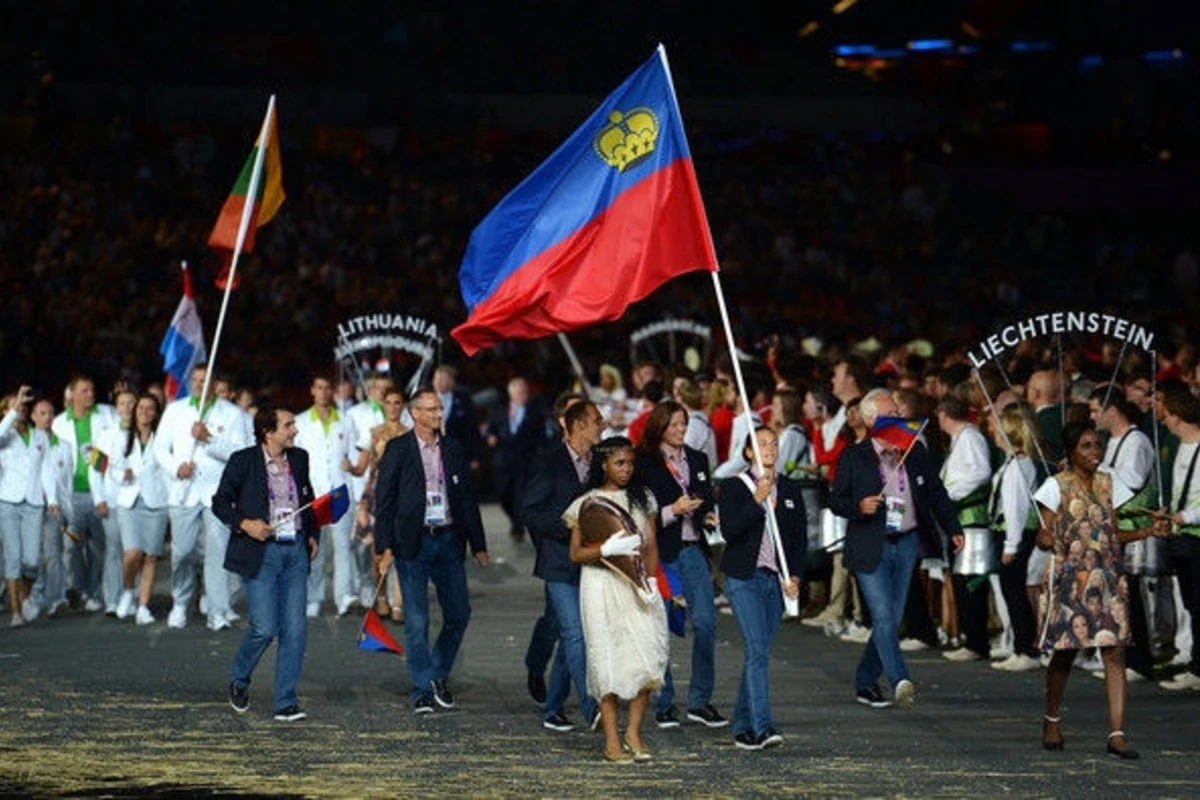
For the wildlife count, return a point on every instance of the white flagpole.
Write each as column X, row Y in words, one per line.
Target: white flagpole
column 247, row 212
column 791, row 605
column 575, row 365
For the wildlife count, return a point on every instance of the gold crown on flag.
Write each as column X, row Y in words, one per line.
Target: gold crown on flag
column 628, row 138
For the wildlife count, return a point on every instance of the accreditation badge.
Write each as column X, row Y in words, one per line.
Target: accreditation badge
column 284, row 525
column 895, row 513
column 435, row 508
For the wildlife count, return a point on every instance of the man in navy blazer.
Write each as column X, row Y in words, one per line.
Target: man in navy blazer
column 516, row 433
column 559, row 478
column 887, row 497
column 271, row 547
column 458, row 415
column 425, row 516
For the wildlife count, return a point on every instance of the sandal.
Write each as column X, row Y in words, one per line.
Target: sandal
column 1124, row 750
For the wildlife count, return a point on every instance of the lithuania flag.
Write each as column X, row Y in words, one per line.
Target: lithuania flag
column 267, row 200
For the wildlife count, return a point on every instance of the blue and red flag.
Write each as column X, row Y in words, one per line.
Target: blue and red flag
column 331, row 506
column 182, row 348
column 374, row 636
column 609, row 217
column 897, row 431
column 670, row 587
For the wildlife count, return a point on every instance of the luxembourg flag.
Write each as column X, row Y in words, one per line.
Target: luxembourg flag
column 182, row 348
column 609, row 217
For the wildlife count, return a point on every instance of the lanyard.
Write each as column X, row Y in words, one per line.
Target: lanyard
column 291, row 484
column 682, row 478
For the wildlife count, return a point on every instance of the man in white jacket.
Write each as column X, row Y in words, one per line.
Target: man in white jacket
column 81, row 425
column 192, row 448
column 50, row 589
column 329, row 440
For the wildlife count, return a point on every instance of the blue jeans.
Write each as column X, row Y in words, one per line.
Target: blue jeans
column 439, row 560
column 275, row 599
column 545, row 634
column 885, row 590
column 692, row 565
column 757, row 605
column 570, row 661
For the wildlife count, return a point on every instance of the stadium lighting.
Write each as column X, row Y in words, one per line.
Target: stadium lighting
column 925, row 45
column 1031, row 47
column 843, row 5
column 846, row 50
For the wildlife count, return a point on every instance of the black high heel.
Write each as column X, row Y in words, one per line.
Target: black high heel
column 1122, row 752
column 1058, row 744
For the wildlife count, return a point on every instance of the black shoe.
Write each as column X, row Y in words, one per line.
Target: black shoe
column 771, row 738
column 441, row 694
column 536, row 684
column 871, row 696
column 707, row 715
column 1124, row 751
column 423, row 704
column 239, row 697
column 668, row 718
column 558, row 722
column 290, row 714
column 748, row 740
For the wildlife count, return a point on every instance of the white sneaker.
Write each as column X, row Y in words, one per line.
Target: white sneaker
column 904, row 694
column 1089, row 664
column 856, row 633
column 1184, row 680
column 126, row 606
column 343, row 606
column 217, row 621
column 1000, row 654
column 144, row 617
column 232, row 616
column 912, row 645
column 29, row 609
column 17, row 621
column 721, row 601
column 177, row 618
column 92, row 605
column 1181, row 660
column 314, row 610
column 1017, row 663
column 961, row 654
column 55, row 607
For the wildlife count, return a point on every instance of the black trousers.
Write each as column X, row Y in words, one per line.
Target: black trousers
column 1185, row 560
column 917, row 622
column 1012, row 586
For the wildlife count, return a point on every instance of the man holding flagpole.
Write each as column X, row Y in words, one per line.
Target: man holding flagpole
column 887, row 487
column 193, row 447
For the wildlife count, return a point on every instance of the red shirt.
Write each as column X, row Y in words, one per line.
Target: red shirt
column 721, row 420
column 638, row 426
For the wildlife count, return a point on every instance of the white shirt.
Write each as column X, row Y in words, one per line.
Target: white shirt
column 24, row 475
column 1013, row 482
column 103, row 418
column 360, row 420
column 61, row 475
column 148, row 482
column 229, row 430
column 1135, row 458
column 968, row 466
column 1049, row 496
column 737, row 440
column 326, row 449
column 793, row 449
column 831, row 427
column 1183, row 460
column 106, row 485
column 700, row 436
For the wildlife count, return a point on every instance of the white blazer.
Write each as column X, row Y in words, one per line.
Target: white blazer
column 229, row 430
column 147, row 480
column 104, row 418
column 24, row 477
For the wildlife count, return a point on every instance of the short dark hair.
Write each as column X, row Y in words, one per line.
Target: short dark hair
column 1183, row 405
column 563, row 400
column 577, row 413
column 419, row 393
column 266, row 420
column 954, row 407
column 1113, row 396
column 653, row 390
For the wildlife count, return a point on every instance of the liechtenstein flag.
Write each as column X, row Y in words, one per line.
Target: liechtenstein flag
column 183, row 346
column 612, row 215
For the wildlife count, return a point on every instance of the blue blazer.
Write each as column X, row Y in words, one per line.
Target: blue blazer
column 744, row 524
column 400, row 498
column 858, row 476
column 552, row 487
column 666, row 490
column 242, row 495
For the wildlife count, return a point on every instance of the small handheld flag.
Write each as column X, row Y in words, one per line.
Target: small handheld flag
column 896, row 431
column 97, row 460
column 331, row 506
column 670, row 586
column 374, row 637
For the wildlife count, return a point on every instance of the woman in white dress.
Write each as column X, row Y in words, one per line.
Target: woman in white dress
column 625, row 627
